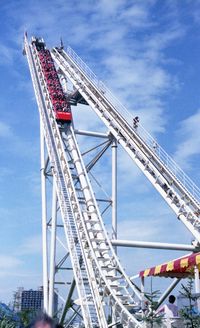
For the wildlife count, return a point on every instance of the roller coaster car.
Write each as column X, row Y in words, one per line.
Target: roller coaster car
column 63, row 116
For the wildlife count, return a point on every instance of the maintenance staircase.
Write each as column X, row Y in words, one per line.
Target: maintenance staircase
column 100, row 278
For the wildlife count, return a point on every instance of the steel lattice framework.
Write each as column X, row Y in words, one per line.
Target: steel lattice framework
column 99, row 278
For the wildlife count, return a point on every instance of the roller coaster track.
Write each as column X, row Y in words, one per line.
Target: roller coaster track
column 177, row 189
column 95, row 264
column 100, row 278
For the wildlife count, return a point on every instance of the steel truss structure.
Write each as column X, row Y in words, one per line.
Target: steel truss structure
column 98, row 277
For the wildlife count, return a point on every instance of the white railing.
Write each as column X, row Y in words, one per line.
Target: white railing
column 166, row 160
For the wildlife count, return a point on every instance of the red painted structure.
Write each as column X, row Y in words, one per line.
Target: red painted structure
column 179, row 268
column 60, row 104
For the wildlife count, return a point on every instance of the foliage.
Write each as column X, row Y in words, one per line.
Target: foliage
column 19, row 320
column 189, row 313
column 150, row 315
column 7, row 322
column 26, row 316
column 7, row 318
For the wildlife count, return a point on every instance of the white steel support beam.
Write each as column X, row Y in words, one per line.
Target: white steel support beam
column 197, row 285
column 44, row 219
column 154, row 245
column 142, row 292
column 92, row 134
column 114, row 191
column 52, row 251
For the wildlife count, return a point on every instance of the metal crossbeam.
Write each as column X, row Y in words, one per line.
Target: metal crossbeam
column 154, row 245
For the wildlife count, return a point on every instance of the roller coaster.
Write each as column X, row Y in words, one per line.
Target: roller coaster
column 100, row 280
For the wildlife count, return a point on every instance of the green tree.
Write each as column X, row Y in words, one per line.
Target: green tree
column 22, row 319
column 7, row 322
column 150, row 315
column 188, row 313
column 26, row 316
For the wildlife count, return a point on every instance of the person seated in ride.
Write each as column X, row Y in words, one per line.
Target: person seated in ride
column 135, row 122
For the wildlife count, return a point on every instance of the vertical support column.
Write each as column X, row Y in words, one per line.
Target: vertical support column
column 52, row 251
column 197, row 286
column 44, row 220
column 114, row 204
column 114, row 191
column 142, row 292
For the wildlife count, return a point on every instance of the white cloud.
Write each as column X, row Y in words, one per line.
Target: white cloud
column 189, row 137
column 136, row 229
column 110, row 8
column 86, row 119
column 8, row 262
column 5, row 173
column 31, row 245
column 137, row 16
column 5, row 130
column 6, row 54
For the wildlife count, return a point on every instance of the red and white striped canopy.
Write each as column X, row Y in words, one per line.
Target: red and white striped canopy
column 180, row 268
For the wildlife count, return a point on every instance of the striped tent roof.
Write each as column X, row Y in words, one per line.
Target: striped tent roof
column 180, row 268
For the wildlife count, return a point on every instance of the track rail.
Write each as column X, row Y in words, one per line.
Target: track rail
column 98, row 273
column 67, row 198
column 112, row 280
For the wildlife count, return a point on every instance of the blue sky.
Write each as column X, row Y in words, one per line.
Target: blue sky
column 147, row 52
